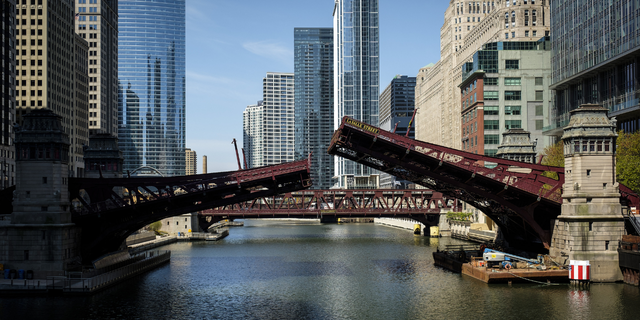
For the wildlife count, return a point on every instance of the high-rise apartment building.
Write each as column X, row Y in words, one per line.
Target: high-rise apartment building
column 152, row 84
column 97, row 22
column 268, row 126
column 191, row 162
column 46, row 68
column 204, row 164
column 397, row 102
column 356, row 79
column 505, row 87
column 467, row 26
column 252, row 124
column 7, row 93
column 596, row 60
column 313, row 64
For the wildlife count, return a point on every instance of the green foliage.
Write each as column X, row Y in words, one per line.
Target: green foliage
column 628, row 160
column 156, row 226
column 553, row 156
column 458, row 216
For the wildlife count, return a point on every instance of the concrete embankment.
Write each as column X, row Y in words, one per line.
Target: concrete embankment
column 144, row 246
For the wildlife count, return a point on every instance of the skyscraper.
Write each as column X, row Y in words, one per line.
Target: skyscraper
column 7, row 93
column 268, row 126
column 356, row 78
column 151, row 84
column 313, row 61
column 397, row 103
column 97, row 22
column 46, row 52
column 595, row 59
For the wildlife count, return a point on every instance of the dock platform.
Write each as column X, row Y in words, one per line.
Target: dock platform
column 495, row 275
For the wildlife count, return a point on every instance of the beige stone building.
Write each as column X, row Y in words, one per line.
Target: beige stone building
column 45, row 67
column 467, row 26
column 191, row 162
column 97, row 22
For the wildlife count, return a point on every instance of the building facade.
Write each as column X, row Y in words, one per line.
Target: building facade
column 7, row 93
column 505, row 87
column 45, row 54
column 269, row 126
column 356, row 79
column 252, row 124
column 80, row 134
column 596, row 60
column 97, row 22
column 397, row 103
column 152, row 84
column 313, row 125
column 191, row 162
column 467, row 26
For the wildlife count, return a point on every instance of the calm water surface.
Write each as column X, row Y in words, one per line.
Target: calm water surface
column 305, row 270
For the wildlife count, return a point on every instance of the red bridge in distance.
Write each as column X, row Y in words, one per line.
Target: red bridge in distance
column 419, row 204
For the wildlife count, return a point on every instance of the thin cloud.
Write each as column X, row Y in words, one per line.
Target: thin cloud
column 269, row 50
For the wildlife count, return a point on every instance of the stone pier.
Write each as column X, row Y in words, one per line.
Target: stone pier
column 591, row 224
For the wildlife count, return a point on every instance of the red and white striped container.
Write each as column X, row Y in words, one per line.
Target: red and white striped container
column 579, row 269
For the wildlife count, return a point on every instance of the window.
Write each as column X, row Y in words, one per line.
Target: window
column 512, row 95
column 491, row 95
column 93, row 9
column 538, row 81
column 490, row 81
column 512, row 110
column 44, row 179
column 534, row 33
column 539, row 124
column 506, row 35
column 539, row 95
column 82, row 9
column 539, row 110
column 526, row 33
column 512, row 124
column 491, row 124
column 512, row 64
column 490, row 152
column 491, row 110
column 511, row 81
column 526, row 18
column 533, row 17
column 491, row 139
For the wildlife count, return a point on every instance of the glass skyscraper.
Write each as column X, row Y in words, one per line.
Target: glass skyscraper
column 595, row 59
column 356, row 78
column 313, row 60
column 151, row 84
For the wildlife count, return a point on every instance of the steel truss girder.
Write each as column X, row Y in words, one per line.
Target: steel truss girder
column 339, row 203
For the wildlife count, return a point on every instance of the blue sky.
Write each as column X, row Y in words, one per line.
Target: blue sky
column 231, row 45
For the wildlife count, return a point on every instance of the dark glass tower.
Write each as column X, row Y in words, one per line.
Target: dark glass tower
column 7, row 92
column 313, row 59
column 356, row 78
column 151, row 76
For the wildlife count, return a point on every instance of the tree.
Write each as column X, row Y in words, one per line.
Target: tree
column 628, row 160
column 156, row 226
column 553, row 155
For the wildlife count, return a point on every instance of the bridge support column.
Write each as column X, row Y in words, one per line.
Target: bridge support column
column 41, row 236
column 591, row 223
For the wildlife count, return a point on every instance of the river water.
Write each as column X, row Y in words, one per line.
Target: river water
column 275, row 269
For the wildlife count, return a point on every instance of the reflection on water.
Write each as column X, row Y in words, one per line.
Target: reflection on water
column 307, row 270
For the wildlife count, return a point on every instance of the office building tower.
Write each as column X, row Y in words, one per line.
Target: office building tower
column 268, row 126
column 151, row 80
column 467, row 26
column 505, row 87
column 97, row 22
column 191, row 162
column 356, row 79
column 46, row 68
column 313, row 61
column 80, row 131
column 397, row 102
column 7, row 93
column 595, row 60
